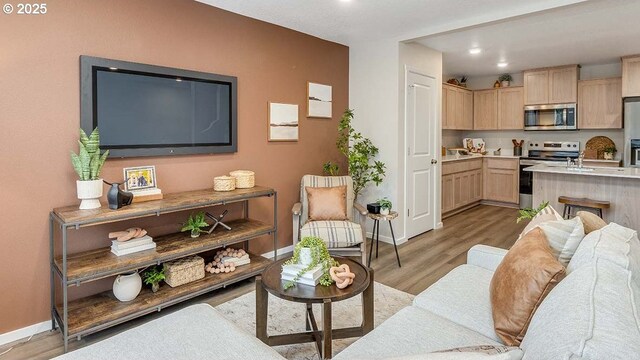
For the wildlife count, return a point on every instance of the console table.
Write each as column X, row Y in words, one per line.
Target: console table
column 83, row 316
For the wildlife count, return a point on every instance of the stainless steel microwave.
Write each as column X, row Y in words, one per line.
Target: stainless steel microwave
column 550, row 117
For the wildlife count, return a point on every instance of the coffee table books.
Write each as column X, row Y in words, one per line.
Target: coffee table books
column 311, row 277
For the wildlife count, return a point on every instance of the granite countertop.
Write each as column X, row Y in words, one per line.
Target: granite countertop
column 469, row 157
column 619, row 172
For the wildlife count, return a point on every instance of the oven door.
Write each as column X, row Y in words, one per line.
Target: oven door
column 550, row 117
column 526, row 187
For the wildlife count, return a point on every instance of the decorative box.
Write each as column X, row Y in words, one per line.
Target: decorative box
column 224, row 183
column 244, row 178
column 183, row 271
column 373, row 208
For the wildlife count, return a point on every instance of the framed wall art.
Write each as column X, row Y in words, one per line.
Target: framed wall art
column 283, row 122
column 319, row 100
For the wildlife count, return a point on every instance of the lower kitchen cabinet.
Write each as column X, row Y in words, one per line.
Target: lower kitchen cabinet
column 501, row 180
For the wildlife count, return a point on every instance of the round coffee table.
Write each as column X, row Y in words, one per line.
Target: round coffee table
column 270, row 282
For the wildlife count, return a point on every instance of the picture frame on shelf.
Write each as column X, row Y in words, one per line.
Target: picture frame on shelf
column 140, row 178
column 319, row 100
column 283, row 122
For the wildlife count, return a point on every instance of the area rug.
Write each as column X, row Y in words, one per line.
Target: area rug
column 289, row 317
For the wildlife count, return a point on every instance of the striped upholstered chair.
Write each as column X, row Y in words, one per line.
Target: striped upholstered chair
column 343, row 237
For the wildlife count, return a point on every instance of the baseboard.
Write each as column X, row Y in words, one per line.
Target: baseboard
column 389, row 239
column 24, row 333
column 284, row 250
column 439, row 225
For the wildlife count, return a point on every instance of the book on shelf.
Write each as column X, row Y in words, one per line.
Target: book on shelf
column 121, row 245
column 293, row 270
column 244, row 260
column 120, row 252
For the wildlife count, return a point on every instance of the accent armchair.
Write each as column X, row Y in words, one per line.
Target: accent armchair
column 343, row 237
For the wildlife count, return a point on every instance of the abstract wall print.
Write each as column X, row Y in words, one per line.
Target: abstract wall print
column 319, row 100
column 283, row 122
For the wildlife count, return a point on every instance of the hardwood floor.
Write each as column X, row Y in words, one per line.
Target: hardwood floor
column 425, row 259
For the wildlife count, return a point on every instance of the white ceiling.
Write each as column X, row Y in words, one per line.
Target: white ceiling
column 593, row 32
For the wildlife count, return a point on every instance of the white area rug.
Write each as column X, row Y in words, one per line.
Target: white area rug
column 289, row 317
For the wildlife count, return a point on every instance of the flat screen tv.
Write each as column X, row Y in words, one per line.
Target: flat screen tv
column 147, row 110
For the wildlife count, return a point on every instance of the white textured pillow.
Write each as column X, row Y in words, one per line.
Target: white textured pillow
column 564, row 237
column 546, row 214
column 613, row 242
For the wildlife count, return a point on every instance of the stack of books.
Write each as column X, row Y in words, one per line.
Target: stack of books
column 120, row 248
column 311, row 277
column 243, row 260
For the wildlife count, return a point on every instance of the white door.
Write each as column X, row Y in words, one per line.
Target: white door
column 421, row 162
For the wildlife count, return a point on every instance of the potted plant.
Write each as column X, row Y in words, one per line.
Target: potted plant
column 330, row 168
column 505, row 80
column 385, row 206
column 88, row 164
column 609, row 152
column 311, row 251
column 463, row 81
column 152, row 276
column 195, row 224
column 529, row 213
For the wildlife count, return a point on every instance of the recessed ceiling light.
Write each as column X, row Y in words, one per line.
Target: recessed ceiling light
column 475, row 51
column 503, row 64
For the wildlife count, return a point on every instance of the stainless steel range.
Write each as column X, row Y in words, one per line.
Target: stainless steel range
column 543, row 152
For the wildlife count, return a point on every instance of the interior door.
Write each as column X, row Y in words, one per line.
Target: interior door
column 420, row 136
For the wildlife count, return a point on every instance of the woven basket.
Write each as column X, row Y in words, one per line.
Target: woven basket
column 184, row 271
column 224, row 183
column 244, row 178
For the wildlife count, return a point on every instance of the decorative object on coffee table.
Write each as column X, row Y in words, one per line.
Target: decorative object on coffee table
column 385, row 206
column 195, row 224
column 152, row 276
column 311, row 252
column 88, row 164
column 376, row 233
column 184, row 271
column 270, row 283
column 342, row 276
column 126, row 287
column 245, row 179
column 224, row 183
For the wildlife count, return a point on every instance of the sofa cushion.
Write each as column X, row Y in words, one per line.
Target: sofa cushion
column 564, row 237
column 590, row 221
column 613, row 242
column 334, row 233
column 462, row 296
column 592, row 314
column 544, row 215
column 522, row 280
column 412, row 331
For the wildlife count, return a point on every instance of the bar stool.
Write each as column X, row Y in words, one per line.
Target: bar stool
column 570, row 203
column 376, row 233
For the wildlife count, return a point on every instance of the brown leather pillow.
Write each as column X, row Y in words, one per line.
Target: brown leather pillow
column 327, row 203
column 590, row 221
column 523, row 279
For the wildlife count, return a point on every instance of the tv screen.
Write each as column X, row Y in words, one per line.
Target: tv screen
column 146, row 110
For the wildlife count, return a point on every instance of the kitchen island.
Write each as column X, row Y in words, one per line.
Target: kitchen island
column 619, row 186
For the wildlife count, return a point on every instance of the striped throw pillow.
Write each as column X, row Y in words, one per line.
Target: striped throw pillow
column 564, row 236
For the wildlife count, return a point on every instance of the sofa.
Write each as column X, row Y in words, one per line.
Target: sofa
column 593, row 313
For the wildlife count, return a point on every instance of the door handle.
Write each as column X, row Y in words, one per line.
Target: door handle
column 434, row 161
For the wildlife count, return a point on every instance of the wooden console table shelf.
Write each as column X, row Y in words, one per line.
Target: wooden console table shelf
column 97, row 312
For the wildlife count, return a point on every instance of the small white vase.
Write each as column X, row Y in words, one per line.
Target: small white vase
column 504, row 83
column 305, row 256
column 384, row 211
column 90, row 192
column 127, row 286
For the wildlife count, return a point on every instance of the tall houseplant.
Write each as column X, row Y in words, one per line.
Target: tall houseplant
column 88, row 163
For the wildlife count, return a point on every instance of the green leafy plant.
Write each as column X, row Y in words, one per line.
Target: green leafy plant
column 529, row 213
column 330, row 168
column 463, row 80
column 610, row 149
column 385, row 203
column 319, row 255
column 88, row 162
column 195, row 223
column 360, row 153
column 505, row 77
column 152, row 276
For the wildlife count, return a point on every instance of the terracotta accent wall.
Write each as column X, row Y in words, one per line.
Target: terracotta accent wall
column 40, row 117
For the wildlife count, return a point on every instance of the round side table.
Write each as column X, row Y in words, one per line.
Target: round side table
column 376, row 232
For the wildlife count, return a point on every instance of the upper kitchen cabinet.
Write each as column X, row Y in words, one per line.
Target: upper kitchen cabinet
column 631, row 76
column 556, row 85
column 457, row 108
column 600, row 104
column 485, row 109
column 511, row 108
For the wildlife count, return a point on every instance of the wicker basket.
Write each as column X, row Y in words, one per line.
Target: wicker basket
column 184, row 271
column 224, row 183
column 244, row 178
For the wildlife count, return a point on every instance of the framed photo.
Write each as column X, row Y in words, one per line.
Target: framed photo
column 319, row 100
column 140, row 178
column 283, row 122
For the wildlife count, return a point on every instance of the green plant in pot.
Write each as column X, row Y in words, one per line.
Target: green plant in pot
column 529, row 213
column 152, row 276
column 88, row 163
column 330, row 168
column 311, row 251
column 609, row 152
column 505, row 80
column 385, row 206
column 195, row 224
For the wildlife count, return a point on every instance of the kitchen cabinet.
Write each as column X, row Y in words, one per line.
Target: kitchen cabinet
column 631, row 76
column 501, row 180
column 600, row 104
column 461, row 184
column 447, row 193
column 558, row 85
column 485, row 109
column 457, row 107
column 511, row 108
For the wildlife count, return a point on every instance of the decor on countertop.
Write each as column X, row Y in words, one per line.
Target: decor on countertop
column 183, row 271
column 359, row 152
column 599, row 144
column 88, row 163
column 517, row 147
column 217, row 221
column 342, row 275
column 319, row 257
column 126, row 287
column 152, row 276
column 195, row 224
column 497, row 152
column 385, row 206
column 245, row 179
column 141, row 182
column 319, row 100
column 116, row 197
column 283, row 122
column 505, row 80
column 609, row 152
column 226, row 261
column 330, row 168
column 224, row 183
column 529, row 213
column 474, row 146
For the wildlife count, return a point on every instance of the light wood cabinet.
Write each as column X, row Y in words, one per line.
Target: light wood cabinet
column 467, row 111
column 447, row 193
column 475, row 178
column 631, row 76
column 501, row 180
column 600, row 104
column 485, row 109
column 556, row 85
column 511, row 108
column 457, row 107
column 461, row 184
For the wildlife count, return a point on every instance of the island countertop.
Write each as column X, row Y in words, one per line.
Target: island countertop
column 619, row 172
column 449, row 158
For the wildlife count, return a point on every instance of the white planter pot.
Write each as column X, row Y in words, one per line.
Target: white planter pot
column 305, row 256
column 90, row 192
column 384, row 211
column 127, row 286
column 504, row 84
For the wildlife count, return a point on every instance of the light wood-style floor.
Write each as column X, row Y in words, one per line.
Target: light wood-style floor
column 425, row 259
